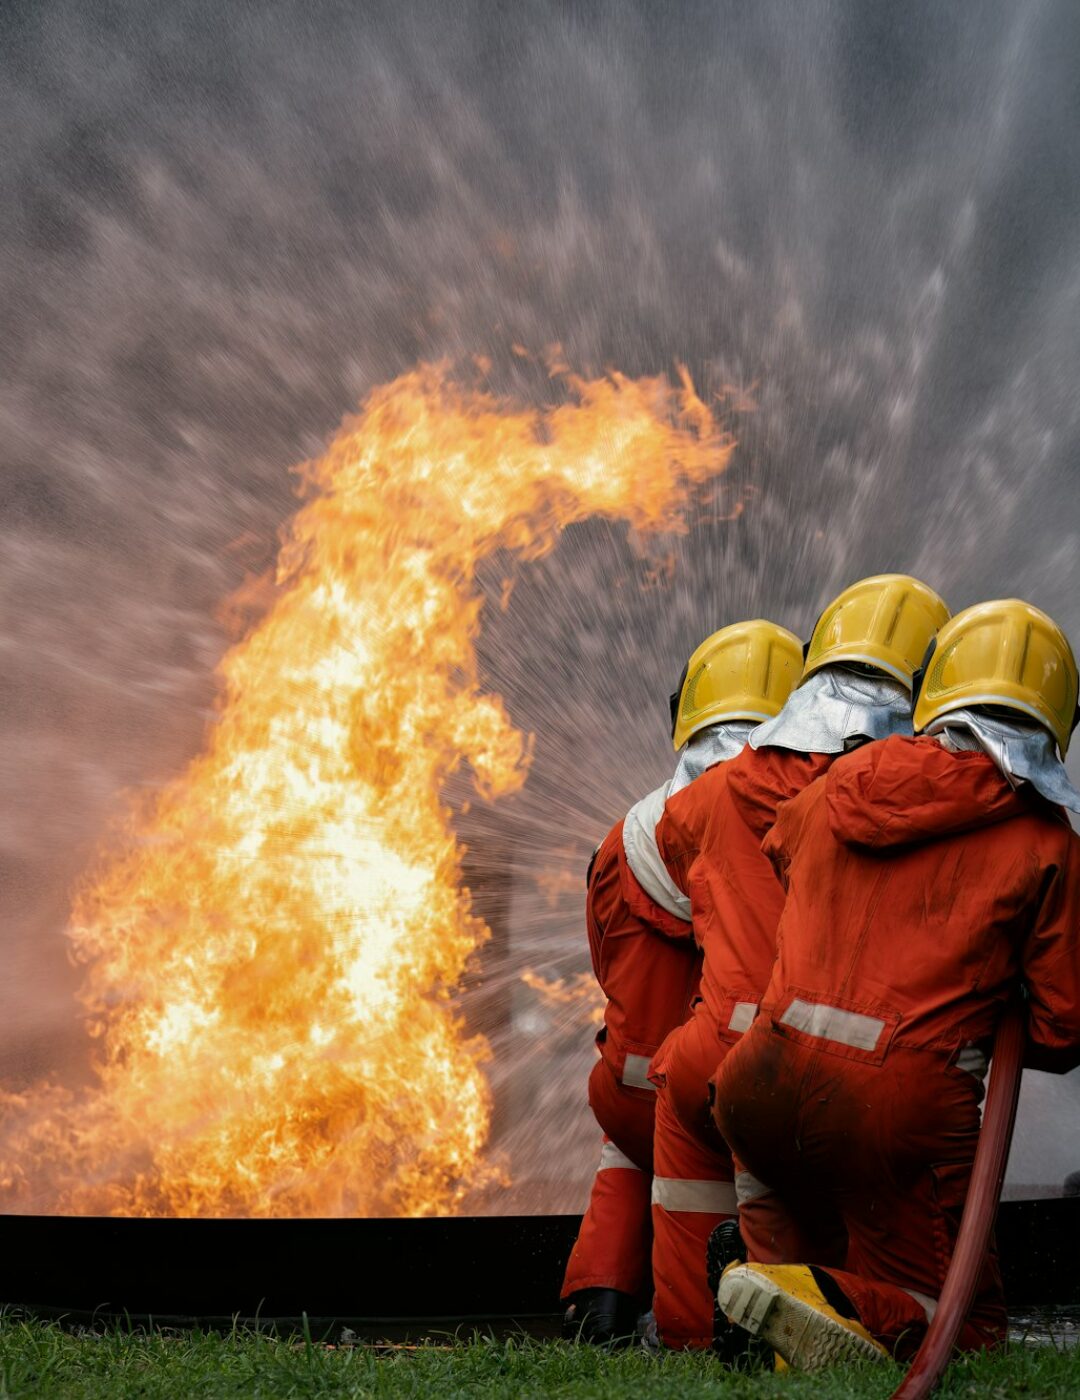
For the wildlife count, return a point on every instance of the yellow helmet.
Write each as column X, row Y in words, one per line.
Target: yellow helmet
column 886, row 621
column 745, row 671
column 1004, row 653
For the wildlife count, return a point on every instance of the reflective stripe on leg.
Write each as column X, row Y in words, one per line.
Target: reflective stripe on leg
column 928, row 1305
column 611, row 1158
column 749, row 1188
column 702, row 1197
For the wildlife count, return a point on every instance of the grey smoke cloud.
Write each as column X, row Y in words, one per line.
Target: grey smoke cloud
column 220, row 225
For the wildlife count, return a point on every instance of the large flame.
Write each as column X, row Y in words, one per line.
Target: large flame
column 271, row 943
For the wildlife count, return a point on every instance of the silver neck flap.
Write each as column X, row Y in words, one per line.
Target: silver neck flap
column 837, row 709
column 1023, row 751
column 709, row 746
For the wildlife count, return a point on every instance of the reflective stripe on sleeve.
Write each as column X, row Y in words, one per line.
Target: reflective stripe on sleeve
column 702, row 1197
column 832, row 1023
column 643, row 855
column 636, row 1072
column 742, row 1016
column 610, row 1157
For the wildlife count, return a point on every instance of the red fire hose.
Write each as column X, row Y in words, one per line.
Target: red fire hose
column 980, row 1208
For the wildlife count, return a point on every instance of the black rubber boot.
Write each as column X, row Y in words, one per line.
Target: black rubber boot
column 731, row 1344
column 725, row 1247
column 602, row 1316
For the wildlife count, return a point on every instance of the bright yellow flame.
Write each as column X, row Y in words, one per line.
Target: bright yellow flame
column 272, row 942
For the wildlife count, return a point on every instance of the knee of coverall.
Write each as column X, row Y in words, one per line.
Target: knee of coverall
column 626, row 1116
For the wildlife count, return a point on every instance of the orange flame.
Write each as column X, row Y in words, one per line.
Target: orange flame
column 272, row 942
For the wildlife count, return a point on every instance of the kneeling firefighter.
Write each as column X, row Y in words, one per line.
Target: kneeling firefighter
column 645, row 960
column 927, row 880
column 856, row 686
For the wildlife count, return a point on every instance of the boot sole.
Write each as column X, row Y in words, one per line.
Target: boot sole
column 807, row 1339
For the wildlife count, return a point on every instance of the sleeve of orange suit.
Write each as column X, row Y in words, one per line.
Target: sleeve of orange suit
column 1051, row 967
column 679, row 830
column 602, row 894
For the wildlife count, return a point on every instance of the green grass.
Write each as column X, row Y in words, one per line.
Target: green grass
column 45, row 1361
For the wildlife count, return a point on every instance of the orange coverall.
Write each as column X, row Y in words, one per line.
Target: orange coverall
column 710, row 841
column 921, row 889
column 649, row 969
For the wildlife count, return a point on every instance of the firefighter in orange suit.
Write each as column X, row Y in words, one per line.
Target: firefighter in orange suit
column 856, row 686
column 927, row 878
column 645, row 960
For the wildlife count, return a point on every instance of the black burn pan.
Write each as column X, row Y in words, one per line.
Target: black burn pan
column 383, row 1276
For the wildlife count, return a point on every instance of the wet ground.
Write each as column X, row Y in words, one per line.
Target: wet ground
column 1057, row 1327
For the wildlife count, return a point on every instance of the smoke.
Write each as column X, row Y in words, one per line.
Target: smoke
column 221, row 225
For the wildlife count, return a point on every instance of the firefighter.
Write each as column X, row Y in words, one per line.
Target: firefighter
column 645, row 960
column 856, row 686
column 927, row 879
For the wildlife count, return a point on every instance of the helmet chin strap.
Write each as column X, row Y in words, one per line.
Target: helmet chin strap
column 1023, row 750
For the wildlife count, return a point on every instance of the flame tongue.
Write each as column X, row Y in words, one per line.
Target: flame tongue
column 272, row 942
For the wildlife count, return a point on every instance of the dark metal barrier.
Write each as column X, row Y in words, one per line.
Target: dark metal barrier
column 383, row 1273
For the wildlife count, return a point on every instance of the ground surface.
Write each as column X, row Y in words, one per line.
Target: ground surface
column 43, row 1361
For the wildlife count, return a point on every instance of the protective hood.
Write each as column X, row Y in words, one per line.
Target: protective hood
column 1023, row 751
column 836, row 709
column 906, row 791
column 705, row 749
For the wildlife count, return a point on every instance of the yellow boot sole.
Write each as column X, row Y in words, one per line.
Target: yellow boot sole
column 806, row 1333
